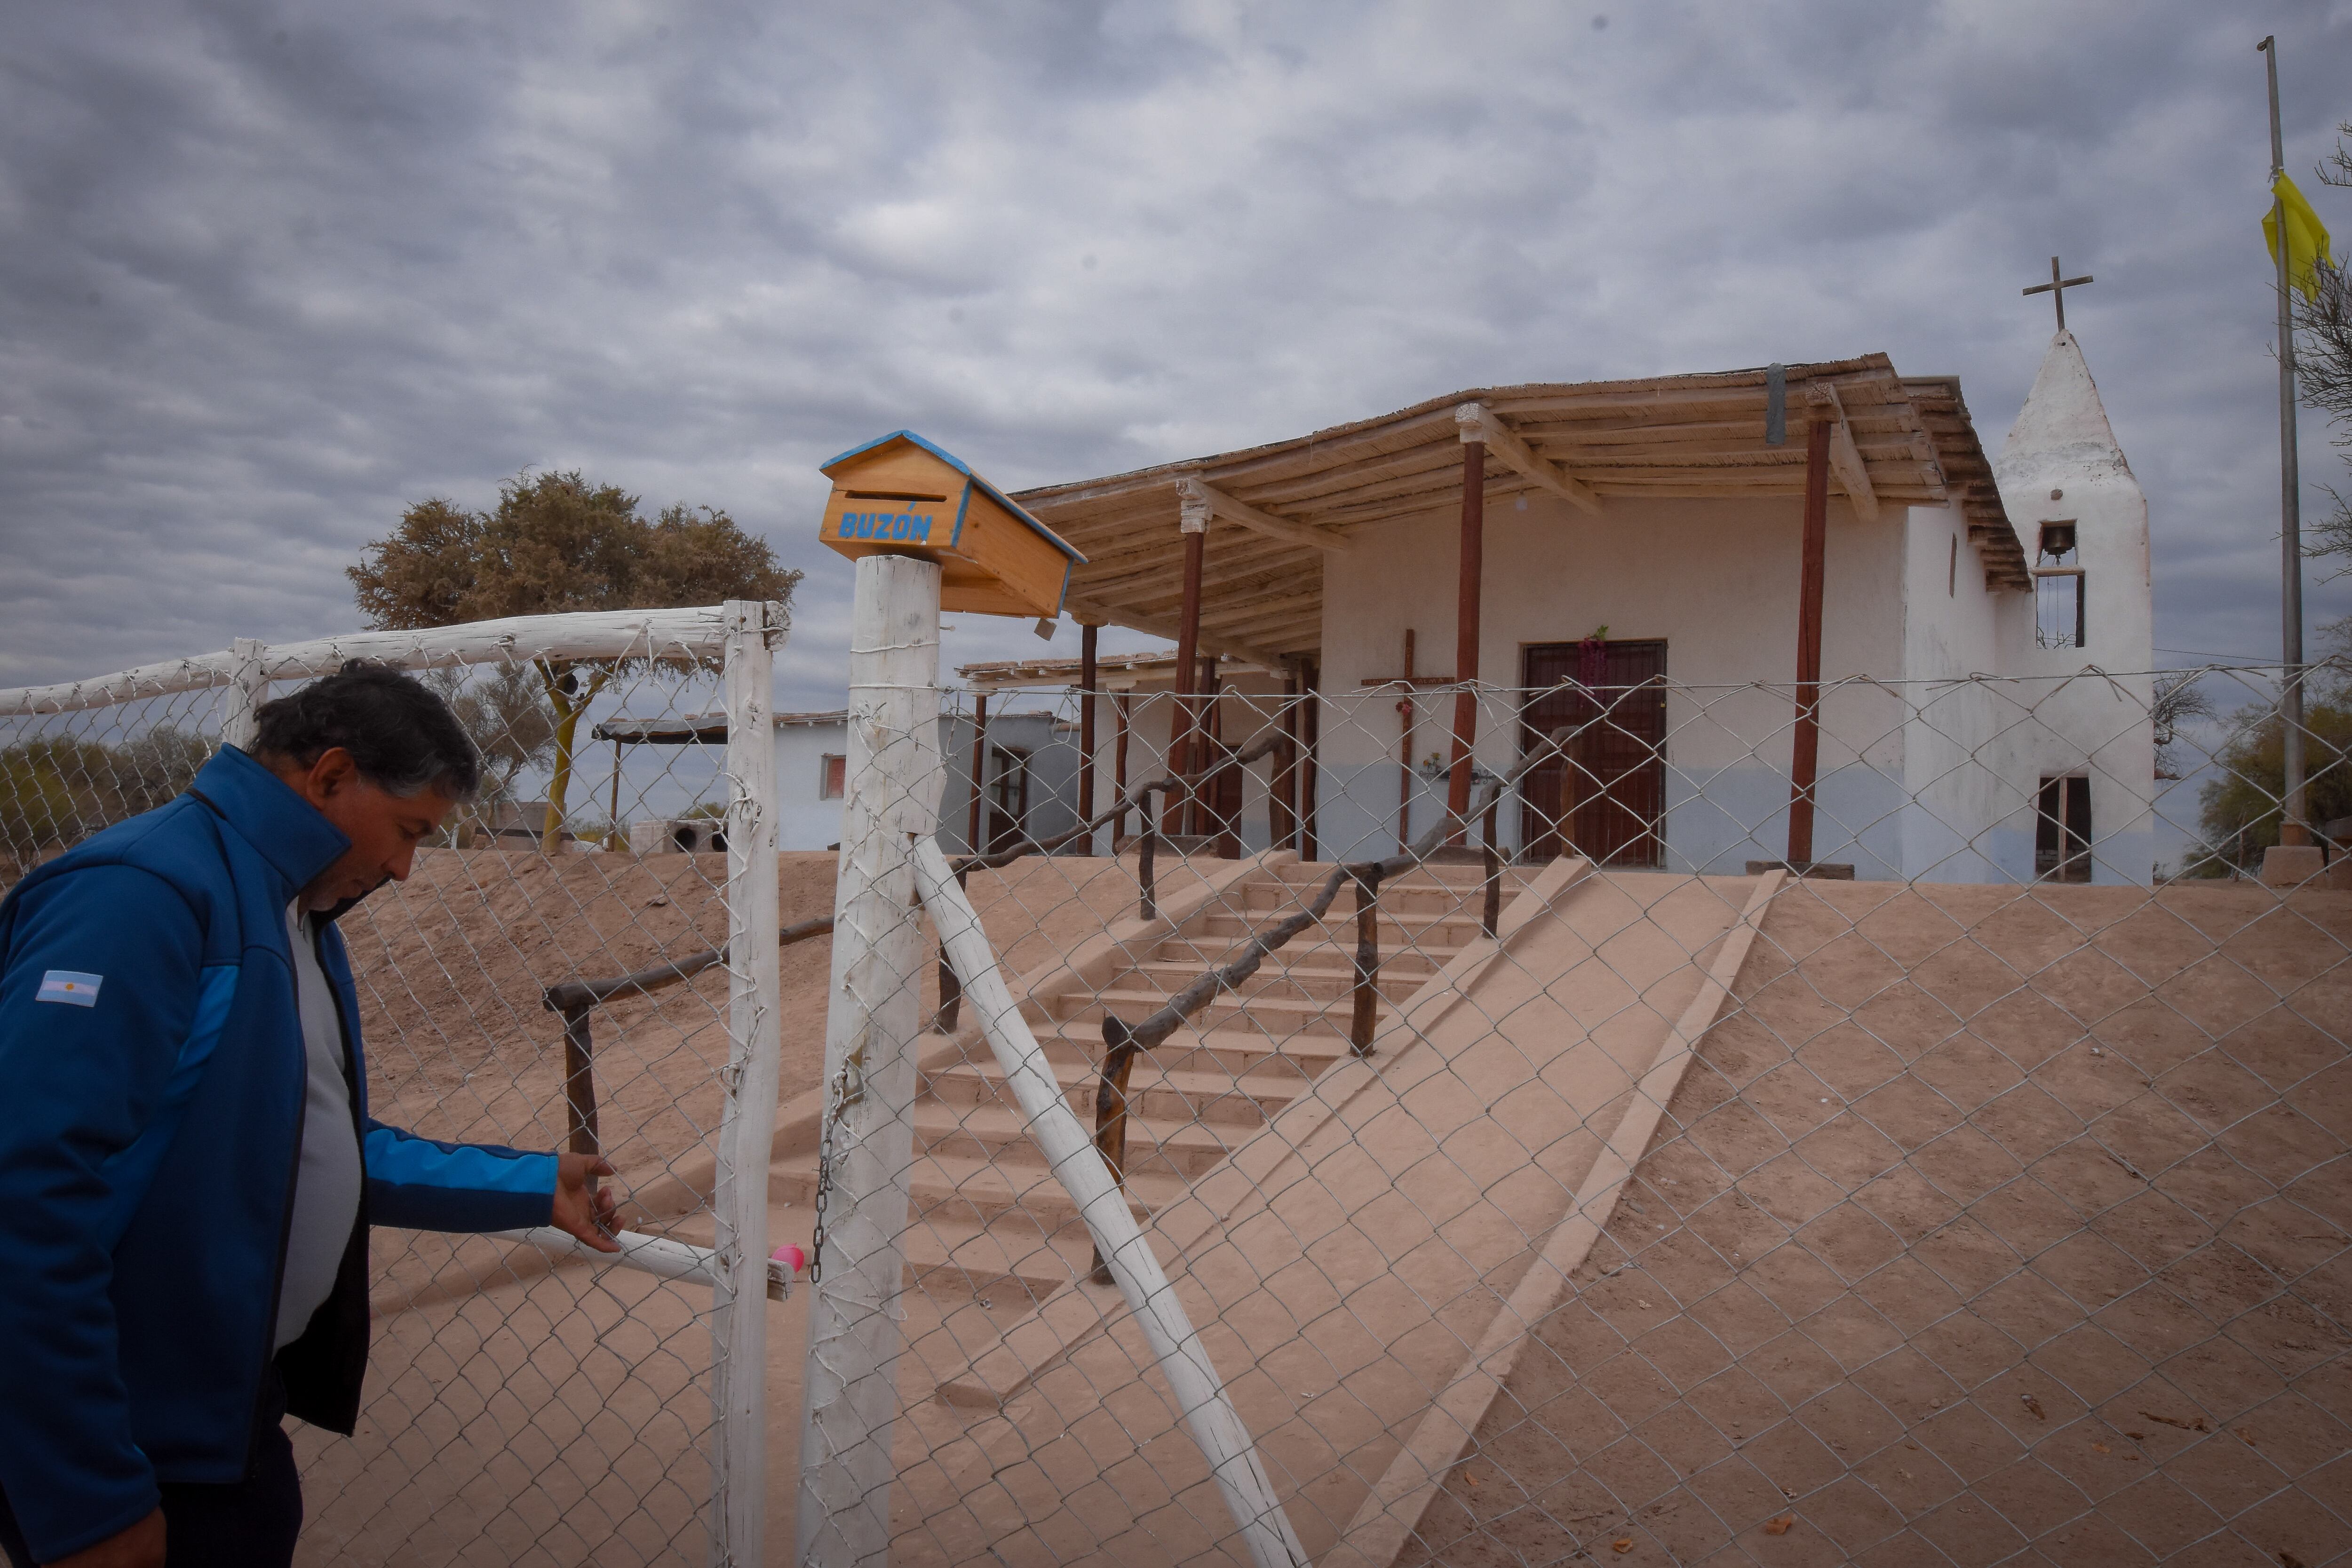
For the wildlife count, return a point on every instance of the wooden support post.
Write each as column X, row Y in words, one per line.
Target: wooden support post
column 1367, row 997
column 614, row 839
column 950, row 992
column 943, row 1021
column 971, row 844
column 873, row 1030
column 1311, row 769
column 1148, row 907
column 1087, row 678
column 1404, row 751
column 1208, row 732
column 754, row 629
column 1282, row 802
column 1177, row 811
column 1120, row 1051
column 1490, row 915
column 1465, row 636
column 580, row 1081
column 1805, row 739
column 1122, row 711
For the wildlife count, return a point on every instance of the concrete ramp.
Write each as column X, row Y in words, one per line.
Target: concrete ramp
column 1364, row 1266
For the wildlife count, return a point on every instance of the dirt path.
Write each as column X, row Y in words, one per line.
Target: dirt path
column 1994, row 1226
column 562, row 1417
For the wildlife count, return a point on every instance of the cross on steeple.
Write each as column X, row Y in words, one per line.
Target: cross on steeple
column 2056, row 289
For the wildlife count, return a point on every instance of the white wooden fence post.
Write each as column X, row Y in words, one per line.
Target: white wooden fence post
column 874, row 1028
column 739, row 1317
column 246, row 685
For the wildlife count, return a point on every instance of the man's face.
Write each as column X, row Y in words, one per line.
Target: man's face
column 384, row 829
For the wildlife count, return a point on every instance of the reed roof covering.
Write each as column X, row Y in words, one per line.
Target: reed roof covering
column 1682, row 436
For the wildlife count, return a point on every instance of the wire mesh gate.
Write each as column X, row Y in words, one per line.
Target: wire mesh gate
column 1979, row 1194
column 1619, row 1200
column 525, row 1406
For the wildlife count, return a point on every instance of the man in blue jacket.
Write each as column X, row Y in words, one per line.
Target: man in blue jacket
column 187, row 1167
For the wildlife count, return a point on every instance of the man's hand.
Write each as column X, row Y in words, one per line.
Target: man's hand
column 581, row 1206
column 140, row 1546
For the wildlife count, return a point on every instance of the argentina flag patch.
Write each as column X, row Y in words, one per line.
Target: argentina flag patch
column 70, row 987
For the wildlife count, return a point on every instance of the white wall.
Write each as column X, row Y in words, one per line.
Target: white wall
column 1716, row 579
column 807, row 820
column 2097, row 722
column 1957, row 782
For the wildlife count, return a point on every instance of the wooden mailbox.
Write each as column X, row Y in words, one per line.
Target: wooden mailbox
column 902, row 495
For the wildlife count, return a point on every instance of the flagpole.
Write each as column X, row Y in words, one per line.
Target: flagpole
column 2293, row 823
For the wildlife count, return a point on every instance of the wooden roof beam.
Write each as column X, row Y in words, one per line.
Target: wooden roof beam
column 1165, row 626
column 1221, row 606
column 1285, row 624
column 1845, row 458
column 1192, row 489
column 1476, row 423
column 1233, row 558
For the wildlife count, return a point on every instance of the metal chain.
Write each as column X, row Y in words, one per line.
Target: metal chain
column 835, row 1102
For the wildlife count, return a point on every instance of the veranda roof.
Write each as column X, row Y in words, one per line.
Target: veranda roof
column 1277, row 508
column 1112, row 670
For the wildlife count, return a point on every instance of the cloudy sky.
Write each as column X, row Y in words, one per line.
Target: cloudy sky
column 271, row 272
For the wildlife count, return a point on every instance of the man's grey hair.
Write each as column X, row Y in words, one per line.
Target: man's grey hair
column 398, row 731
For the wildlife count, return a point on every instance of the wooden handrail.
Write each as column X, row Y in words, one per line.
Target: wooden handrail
column 1122, row 1043
column 572, row 999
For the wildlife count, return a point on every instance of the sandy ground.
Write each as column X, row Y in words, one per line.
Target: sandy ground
column 561, row 1416
column 452, row 965
column 1991, row 1227
column 559, row 1422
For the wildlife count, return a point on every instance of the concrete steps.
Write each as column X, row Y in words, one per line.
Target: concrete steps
column 1153, row 1090
column 987, row 1215
column 1362, row 1263
column 1326, row 983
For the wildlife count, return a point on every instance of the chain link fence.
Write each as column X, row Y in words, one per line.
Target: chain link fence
column 1239, row 1134
column 1532, row 1161
column 524, row 1403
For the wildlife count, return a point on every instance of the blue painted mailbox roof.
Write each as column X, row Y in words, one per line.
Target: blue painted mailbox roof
column 960, row 467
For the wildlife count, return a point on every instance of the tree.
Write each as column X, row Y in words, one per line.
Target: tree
column 506, row 715
column 2239, row 810
column 55, row 790
column 2178, row 700
column 556, row 543
column 2323, row 365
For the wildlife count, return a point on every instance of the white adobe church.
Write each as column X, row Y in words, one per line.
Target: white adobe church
column 1672, row 512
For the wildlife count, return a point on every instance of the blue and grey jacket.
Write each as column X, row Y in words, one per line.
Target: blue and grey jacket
column 152, row 1076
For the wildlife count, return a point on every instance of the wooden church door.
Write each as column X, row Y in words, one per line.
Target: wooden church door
column 1606, row 799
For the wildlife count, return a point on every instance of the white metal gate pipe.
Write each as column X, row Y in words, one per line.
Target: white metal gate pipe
column 1072, row 1158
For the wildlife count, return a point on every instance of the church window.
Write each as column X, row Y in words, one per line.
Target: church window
column 2058, row 596
column 2062, row 831
column 1952, row 571
column 832, row 776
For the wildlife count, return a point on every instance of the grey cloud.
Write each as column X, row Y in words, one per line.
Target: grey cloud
column 273, row 271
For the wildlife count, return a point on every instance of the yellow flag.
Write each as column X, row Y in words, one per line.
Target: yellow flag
column 2306, row 236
